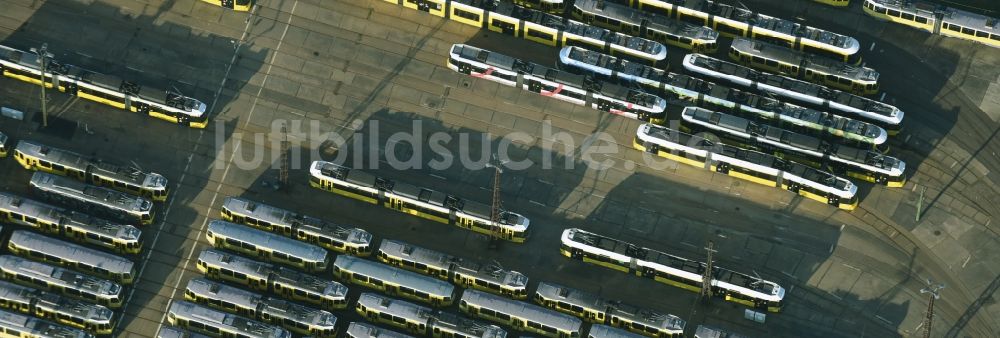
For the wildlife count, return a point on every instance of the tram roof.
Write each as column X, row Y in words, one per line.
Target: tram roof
column 93, row 194
column 365, row 330
column 236, row 263
column 572, row 296
column 384, row 272
column 59, row 275
column 269, row 240
column 820, row 63
column 315, row 284
column 641, row 18
column 775, row 24
column 72, row 252
column 415, row 253
column 396, row 307
column 521, row 309
column 468, row 326
column 175, row 332
column 239, row 323
column 38, row 327
column 646, row 316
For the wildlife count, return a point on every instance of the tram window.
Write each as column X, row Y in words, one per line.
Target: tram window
column 893, row 12
column 967, row 31
column 771, row 63
column 539, row 34
column 981, row 34
column 955, row 28
column 995, row 37
column 757, row 59
column 686, row 41
column 908, row 16
column 466, row 15
column 921, row 19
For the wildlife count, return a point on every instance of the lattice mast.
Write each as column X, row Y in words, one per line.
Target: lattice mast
column 283, row 170
column 706, row 278
column 497, row 206
column 935, row 293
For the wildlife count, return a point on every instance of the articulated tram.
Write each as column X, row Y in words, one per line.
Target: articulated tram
column 469, row 274
column 592, row 308
column 93, row 199
column 266, row 245
column 236, row 5
column 665, row 268
column 98, row 263
column 102, row 88
column 176, row 332
column 733, row 21
column 82, row 315
column 573, row 88
column 68, row 283
column 422, row 320
column 881, row 114
column 393, row 281
column 859, row 163
column 35, row 156
column 293, row 317
column 552, row 30
column 201, row 319
column 283, row 281
column 519, row 315
column 353, row 241
column 817, row 69
column 748, row 165
column 924, row 15
column 365, row 330
column 414, row 200
column 16, row 325
column 72, row 225
column 701, row 92
column 620, row 18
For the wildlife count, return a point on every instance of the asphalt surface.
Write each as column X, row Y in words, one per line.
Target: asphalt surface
column 350, row 68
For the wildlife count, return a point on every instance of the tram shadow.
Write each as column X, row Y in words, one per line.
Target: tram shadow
column 751, row 237
column 150, row 46
column 396, row 146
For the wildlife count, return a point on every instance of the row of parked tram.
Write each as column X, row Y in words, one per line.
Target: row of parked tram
column 262, row 266
column 783, row 77
column 70, row 249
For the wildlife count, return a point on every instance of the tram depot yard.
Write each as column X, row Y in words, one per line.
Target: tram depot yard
column 851, row 168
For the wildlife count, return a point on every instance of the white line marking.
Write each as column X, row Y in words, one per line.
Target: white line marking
column 882, row 97
column 872, row 47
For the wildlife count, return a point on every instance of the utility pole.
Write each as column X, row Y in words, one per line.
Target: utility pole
column 920, row 203
column 43, row 56
column 497, row 206
column 283, row 170
column 935, row 293
column 706, row 278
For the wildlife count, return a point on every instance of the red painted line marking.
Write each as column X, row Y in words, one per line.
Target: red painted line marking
column 554, row 92
column 484, row 74
column 621, row 112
